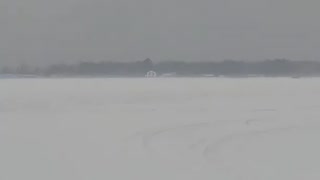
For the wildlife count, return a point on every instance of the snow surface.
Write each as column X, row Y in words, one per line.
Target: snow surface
column 155, row 129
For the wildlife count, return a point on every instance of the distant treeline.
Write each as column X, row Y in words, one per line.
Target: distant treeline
column 277, row 67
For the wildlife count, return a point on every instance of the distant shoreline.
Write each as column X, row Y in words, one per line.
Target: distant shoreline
column 228, row 68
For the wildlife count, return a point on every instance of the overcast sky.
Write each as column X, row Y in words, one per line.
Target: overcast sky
column 44, row 31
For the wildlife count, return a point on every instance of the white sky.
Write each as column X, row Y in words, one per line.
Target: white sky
column 43, row 31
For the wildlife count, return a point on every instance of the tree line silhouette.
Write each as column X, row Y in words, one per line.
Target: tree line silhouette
column 274, row 68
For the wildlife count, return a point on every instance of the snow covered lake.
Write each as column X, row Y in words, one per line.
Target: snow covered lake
column 160, row 129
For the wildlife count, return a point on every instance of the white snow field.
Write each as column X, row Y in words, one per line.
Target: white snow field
column 160, row 129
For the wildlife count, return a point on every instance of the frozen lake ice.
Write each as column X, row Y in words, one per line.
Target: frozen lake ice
column 155, row 129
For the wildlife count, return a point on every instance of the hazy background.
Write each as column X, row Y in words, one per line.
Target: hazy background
column 38, row 31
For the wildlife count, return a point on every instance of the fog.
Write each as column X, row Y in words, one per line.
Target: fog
column 47, row 32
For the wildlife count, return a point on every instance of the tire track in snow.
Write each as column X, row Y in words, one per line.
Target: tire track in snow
column 205, row 138
column 214, row 146
column 148, row 138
